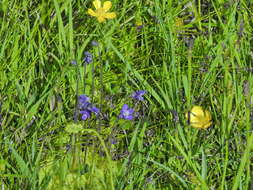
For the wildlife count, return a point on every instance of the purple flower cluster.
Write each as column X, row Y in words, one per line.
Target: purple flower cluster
column 88, row 57
column 128, row 113
column 86, row 108
column 138, row 95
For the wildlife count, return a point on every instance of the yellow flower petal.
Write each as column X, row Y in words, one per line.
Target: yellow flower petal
column 207, row 125
column 97, row 4
column 199, row 118
column 101, row 19
column 91, row 12
column 198, row 111
column 110, row 15
column 107, row 5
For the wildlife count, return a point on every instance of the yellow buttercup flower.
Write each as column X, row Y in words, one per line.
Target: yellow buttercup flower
column 199, row 118
column 101, row 12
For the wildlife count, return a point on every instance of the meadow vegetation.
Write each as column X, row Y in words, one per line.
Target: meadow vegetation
column 99, row 96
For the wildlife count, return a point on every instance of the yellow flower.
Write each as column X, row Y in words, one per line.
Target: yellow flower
column 101, row 12
column 199, row 118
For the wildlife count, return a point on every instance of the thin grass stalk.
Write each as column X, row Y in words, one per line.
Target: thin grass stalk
column 101, row 87
column 74, row 136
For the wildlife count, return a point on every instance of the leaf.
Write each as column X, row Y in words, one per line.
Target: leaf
column 21, row 163
column 73, row 128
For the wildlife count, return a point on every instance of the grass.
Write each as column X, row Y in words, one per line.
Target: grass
column 185, row 53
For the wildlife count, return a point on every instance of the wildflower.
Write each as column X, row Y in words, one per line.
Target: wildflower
column 94, row 43
column 138, row 95
column 86, row 108
column 126, row 113
column 85, row 114
column 83, row 98
column 101, row 12
column 88, row 57
column 94, row 110
column 83, row 102
column 199, row 118
column 73, row 62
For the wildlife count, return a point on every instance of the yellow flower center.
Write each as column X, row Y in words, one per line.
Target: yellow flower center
column 100, row 12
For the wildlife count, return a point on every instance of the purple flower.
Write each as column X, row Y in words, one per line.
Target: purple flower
column 126, row 113
column 85, row 114
column 88, row 57
column 73, row 62
column 94, row 43
column 94, row 110
column 83, row 102
column 86, row 108
column 138, row 95
column 83, row 98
